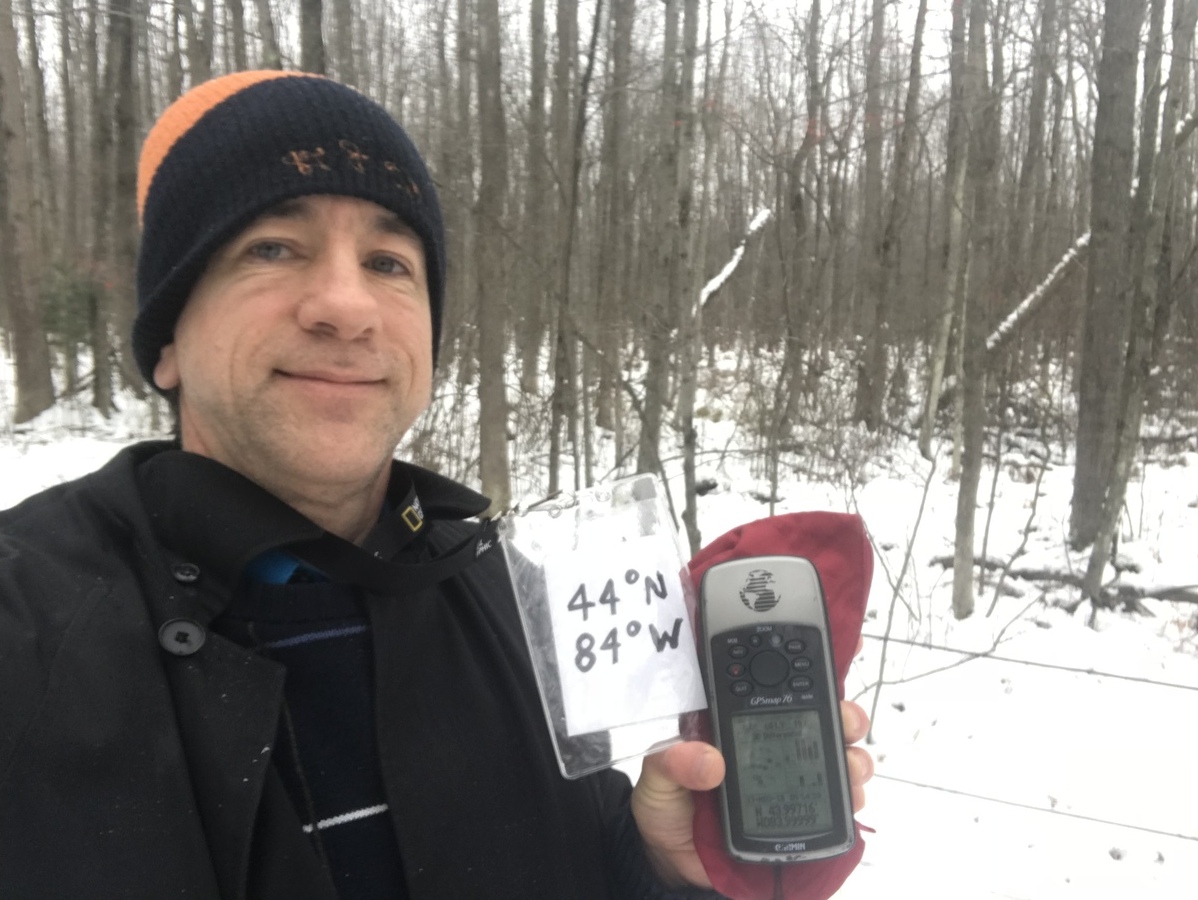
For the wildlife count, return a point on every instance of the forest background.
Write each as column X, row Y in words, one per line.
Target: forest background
column 948, row 223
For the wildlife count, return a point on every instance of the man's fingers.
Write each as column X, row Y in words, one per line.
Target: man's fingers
column 693, row 765
column 856, row 722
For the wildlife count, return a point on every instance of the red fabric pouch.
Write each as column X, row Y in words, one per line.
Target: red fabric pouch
column 837, row 545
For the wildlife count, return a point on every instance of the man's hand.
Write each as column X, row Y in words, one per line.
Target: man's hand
column 664, row 811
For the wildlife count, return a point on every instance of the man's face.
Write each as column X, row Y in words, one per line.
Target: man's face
column 305, row 351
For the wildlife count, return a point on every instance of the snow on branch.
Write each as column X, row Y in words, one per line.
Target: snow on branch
column 1032, row 301
column 725, row 273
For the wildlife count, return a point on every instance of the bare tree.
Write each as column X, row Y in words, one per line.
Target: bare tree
column 536, row 208
column 1109, row 279
column 489, row 216
column 1156, row 180
column 343, row 42
column 124, row 210
column 312, row 57
column 981, row 122
column 271, row 57
column 662, row 294
column 18, row 243
column 46, row 203
column 871, row 369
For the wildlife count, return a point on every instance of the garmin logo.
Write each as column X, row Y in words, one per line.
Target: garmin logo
column 793, row 847
column 758, row 593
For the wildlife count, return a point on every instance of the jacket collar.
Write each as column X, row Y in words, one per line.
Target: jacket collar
column 222, row 520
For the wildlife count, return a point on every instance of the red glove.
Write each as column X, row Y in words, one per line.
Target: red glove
column 837, row 546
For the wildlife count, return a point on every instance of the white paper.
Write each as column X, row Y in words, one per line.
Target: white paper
column 624, row 646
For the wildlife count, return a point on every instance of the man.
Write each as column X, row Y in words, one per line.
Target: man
column 268, row 661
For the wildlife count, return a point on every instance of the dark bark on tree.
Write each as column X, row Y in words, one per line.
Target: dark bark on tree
column 662, row 293
column 312, row 56
column 463, row 192
column 615, row 216
column 271, row 57
column 199, row 40
column 18, row 242
column 492, row 298
column 100, row 322
column 1157, row 180
column 237, row 34
column 1031, row 173
column 871, row 367
column 174, row 60
column 124, row 208
column 956, row 212
column 46, row 203
column 690, row 310
column 72, row 234
column 536, row 275
column 343, row 42
column 1105, row 327
column 563, row 405
column 980, row 118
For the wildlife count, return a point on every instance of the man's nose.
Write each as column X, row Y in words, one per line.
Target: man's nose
column 337, row 301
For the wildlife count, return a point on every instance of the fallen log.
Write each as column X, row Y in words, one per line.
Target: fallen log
column 1112, row 594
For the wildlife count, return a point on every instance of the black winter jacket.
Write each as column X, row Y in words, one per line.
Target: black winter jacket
column 129, row 771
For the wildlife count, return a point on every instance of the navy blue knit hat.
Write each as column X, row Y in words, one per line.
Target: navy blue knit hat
column 231, row 148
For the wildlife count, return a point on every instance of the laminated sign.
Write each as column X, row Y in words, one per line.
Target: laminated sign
column 606, row 603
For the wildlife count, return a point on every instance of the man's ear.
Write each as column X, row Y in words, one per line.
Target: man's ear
column 166, row 372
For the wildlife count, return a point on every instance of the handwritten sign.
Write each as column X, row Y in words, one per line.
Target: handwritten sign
column 624, row 647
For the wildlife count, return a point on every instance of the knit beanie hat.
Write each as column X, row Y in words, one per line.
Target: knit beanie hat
column 231, row 148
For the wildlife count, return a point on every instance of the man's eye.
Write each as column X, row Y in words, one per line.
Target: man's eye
column 387, row 265
column 268, row 250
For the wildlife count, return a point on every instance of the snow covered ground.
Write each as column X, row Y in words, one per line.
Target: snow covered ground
column 1061, row 765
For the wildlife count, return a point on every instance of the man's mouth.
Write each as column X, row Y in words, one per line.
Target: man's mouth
column 330, row 377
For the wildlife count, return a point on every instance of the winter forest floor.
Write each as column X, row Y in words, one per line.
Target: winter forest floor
column 1024, row 752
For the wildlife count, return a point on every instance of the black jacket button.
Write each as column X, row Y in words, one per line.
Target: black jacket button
column 182, row 637
column 185, row 573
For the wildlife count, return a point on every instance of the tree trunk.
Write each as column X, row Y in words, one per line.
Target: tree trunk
column 312, row 36
column 492, row 298
column 237, row 35
column 99, row 319
column 871, row 375
column 662, row 292
column 562, row 403
column 1149, row 286
column 174, row 59
column 956, row 215
column 464, row 170
column 1106, row 311
column 981, row 118
column 46, row 205
column 1031, row 173
column 124, row 207
column 343, row 42
column 691, row 260
column 18, row 243
column 615, row 199
column 536, row 210
column 72, row 234
column 271, row 57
